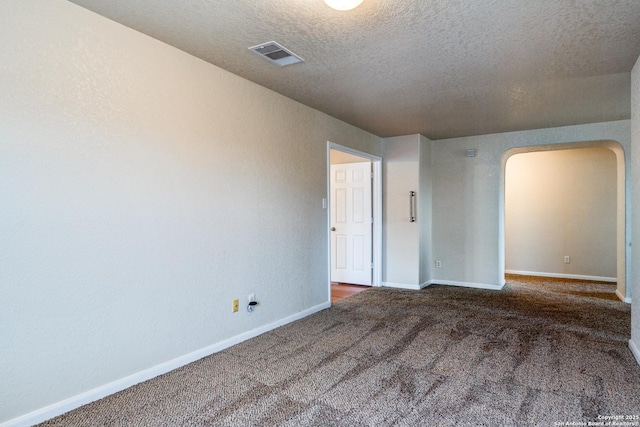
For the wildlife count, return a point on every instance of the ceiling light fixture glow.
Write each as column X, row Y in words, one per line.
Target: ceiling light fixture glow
column 343, row 4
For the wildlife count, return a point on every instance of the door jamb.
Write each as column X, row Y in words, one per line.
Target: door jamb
column 376, row 210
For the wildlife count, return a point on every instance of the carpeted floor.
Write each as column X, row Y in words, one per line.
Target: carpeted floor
column 533, row 354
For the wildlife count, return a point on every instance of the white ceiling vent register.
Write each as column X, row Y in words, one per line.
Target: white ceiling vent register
column 276, row 54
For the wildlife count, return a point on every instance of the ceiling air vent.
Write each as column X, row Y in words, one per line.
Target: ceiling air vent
column 276, row 54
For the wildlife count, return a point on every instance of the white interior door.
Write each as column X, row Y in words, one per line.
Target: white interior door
column 351, row 223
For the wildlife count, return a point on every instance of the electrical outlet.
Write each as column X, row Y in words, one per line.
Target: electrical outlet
column 235, row 306
column 252, row 297
column 438, row 264
column 567, row 259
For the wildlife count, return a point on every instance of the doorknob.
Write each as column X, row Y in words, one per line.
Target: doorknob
column 333, row 229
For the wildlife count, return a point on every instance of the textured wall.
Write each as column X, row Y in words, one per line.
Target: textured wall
column 401, row 251
column 561, row 203
column 425, row 209
column 142, row 189
column 635, row 144
column 467, row 195
column 407, row 256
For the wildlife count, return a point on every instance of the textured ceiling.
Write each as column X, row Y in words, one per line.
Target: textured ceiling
column 442, row 68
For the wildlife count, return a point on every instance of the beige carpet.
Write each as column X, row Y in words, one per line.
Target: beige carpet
column 533, row 354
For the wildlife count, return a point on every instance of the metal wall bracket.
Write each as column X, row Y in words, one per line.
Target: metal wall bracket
column 412, row 205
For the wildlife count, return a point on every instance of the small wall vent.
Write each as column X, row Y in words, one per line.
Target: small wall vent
column 276, row 54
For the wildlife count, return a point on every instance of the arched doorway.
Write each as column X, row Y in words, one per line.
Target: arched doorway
column 621, row 238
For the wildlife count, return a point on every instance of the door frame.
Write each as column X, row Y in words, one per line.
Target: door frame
column 376, row 211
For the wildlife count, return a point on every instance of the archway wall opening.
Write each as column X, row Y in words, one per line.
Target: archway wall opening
column 468, row 197
column 585, row 213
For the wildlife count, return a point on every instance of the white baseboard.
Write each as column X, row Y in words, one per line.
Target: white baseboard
column 468, row 284
column 635, row 350
column 562, row 276
column 443, row 282
column 622, row 297
column 401, row 286
column 74, row 402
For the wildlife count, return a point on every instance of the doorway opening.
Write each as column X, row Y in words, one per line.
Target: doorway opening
column 562, row 213
column 354, row 188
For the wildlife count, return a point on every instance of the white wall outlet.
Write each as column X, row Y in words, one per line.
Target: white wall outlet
column 567, row 259
column 438, row 264
column 252, row 297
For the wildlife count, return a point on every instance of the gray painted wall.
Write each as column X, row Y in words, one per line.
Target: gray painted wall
column 407, row 245
column 142, row 190
column 635, row 143
column 400, row 174
column 425, row 211
column 468, row 196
